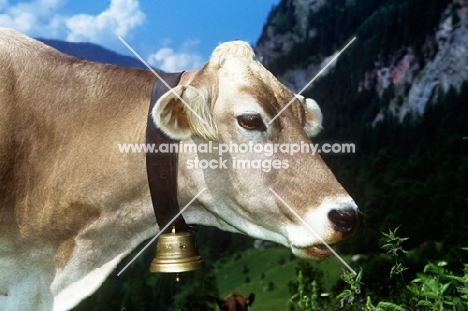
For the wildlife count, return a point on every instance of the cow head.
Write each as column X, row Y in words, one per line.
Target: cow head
column 233, row 101
column 236, row 302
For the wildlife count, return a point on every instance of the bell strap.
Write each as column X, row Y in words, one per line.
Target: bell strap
column 161, row 167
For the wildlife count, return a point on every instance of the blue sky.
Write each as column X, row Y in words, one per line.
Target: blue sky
column 169, row 34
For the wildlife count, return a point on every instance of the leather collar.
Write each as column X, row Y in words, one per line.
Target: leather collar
column 162, row 167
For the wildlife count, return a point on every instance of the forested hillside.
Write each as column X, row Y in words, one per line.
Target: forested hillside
column 381, row 26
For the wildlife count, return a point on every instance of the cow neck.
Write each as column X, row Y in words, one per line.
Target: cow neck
column 161, row 167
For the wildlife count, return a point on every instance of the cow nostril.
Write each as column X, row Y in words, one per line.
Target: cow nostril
column 345, row 221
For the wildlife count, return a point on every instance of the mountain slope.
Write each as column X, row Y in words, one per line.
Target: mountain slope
column 93, row 52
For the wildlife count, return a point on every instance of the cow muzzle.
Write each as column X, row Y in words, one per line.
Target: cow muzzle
column 344, row 224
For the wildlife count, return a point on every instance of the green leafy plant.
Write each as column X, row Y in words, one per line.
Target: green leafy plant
column 303, row 299
column 394, row 248
column 348, row 296
column 437, row 288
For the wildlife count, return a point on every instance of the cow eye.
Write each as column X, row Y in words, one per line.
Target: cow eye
column 251, row 122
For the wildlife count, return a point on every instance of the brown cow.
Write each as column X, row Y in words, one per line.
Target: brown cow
column 236, row 302
column 73, row 204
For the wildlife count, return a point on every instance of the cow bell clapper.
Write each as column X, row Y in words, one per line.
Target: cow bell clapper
column 176, row 249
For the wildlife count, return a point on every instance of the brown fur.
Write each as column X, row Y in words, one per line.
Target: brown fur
column 236, row 302
column 48, row 138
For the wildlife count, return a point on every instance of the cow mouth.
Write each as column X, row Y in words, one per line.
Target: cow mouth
column 320, row 251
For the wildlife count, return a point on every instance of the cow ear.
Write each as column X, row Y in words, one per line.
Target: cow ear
column 250, row 299
column 313, row 116
column 183, row 112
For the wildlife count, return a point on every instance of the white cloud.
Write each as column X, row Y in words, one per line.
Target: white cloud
column 35, row 18
column 186, row 58
column 42, row 18
column 45, row 19
column 117, row 20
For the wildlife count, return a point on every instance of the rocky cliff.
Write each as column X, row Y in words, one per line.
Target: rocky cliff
column 286, row 25
column 409, row 76
column 445, row 65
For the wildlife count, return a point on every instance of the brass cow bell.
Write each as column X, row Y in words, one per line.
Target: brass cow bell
column 176, row 252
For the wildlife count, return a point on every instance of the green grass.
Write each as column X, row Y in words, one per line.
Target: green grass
column 278, row 266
